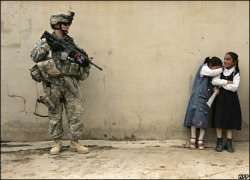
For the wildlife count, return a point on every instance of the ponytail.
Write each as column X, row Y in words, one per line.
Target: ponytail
column 237, row 66
column 207, row 60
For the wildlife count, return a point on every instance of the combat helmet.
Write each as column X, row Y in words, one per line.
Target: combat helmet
column 61, row 17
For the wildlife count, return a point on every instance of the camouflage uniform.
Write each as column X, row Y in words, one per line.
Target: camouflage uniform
column 65, row 87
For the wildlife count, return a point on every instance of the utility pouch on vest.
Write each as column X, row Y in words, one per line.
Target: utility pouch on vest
column 50, row 101
column 83, row 73
column 36, row 74
column 73, row 69
column 48, row 68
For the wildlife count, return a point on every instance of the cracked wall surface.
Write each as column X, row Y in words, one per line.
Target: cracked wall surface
column 149, row 52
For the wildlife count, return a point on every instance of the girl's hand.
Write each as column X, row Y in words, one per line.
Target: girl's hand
column 218, row 91
column 229, row 82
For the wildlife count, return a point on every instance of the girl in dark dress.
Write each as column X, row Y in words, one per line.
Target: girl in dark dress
column 227, row 112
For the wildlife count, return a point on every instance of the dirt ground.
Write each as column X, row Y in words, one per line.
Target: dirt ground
column 169, row 159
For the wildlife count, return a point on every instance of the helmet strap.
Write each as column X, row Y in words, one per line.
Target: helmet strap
column 64, row 31
column 53, row 27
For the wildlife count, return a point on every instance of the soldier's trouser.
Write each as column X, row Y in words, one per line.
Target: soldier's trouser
column 69, row 96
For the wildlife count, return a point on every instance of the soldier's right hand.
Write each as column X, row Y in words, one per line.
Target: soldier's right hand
column 54, row 46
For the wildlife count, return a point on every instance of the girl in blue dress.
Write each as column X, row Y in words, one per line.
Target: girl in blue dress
column 197, row 114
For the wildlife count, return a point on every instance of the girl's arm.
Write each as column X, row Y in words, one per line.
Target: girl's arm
column 217, row 81
column 206, row 71
column 234, row 86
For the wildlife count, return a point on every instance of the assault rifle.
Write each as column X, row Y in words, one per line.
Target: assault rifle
column 69, row 50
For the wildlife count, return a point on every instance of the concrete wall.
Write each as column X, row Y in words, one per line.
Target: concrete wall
column 149, row 51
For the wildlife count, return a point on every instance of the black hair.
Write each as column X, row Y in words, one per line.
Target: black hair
column 235, row 59
column 213, row 61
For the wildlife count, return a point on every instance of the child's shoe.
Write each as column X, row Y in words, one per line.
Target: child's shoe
column 200, row 144
column 228, row 145
column 219, row 146
column 192, row 144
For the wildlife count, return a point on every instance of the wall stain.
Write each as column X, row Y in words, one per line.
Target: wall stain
column 4, row 30
column 14, row 145
column 14, row 45
column 131, row 138
column 110, row 51
column 24, row 131
column 16, row 96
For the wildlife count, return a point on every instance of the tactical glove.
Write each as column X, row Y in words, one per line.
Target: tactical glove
column 85, row 63
column 81, row 60
column 54, row 46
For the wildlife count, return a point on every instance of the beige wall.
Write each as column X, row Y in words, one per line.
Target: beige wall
column 149, row 51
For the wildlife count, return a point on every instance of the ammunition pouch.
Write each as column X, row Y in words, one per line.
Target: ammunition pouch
column 73, row 69
column 48, row 68
column 36, row 74
column 50, row 101
column 83, row 73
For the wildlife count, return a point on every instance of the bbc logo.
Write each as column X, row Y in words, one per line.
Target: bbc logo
column 243, row 176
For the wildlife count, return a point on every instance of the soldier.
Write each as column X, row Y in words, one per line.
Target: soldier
column 60, row 80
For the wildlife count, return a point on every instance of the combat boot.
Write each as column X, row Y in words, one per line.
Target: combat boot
column 75, row 146
column 219, row 146
column 57, row 147
column 228, row 145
